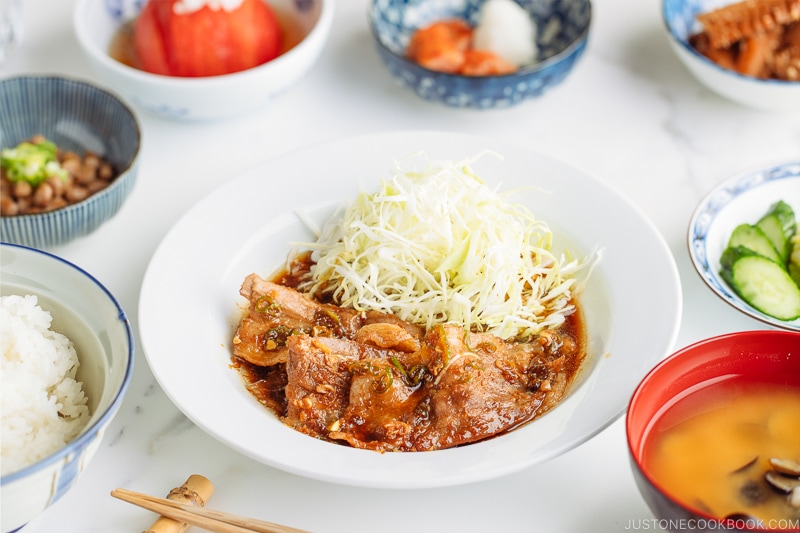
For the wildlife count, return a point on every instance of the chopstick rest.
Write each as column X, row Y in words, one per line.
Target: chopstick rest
column 211, row 520
column 196, row 491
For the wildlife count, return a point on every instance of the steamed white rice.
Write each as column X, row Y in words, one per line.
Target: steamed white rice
column 42, row 405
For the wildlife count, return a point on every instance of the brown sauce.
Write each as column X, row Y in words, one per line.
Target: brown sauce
column 268, row 383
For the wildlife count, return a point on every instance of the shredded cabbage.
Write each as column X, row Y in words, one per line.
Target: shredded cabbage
column 439, row 245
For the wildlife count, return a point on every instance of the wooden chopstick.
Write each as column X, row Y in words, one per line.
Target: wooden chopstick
column 208, row 519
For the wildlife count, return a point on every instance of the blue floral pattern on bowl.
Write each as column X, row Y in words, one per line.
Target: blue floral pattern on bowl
column 563, row 28
column 722, row 208
column 681, row 16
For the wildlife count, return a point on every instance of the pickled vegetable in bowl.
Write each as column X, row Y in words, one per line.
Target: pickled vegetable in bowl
column 198, row 88
column 762, row 262
column 503, row 40
column 171, row 37
column 742, row 240
column 515, row 58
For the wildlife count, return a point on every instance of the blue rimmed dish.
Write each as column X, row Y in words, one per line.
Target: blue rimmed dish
column 90, row 316
column 680, row 22
column 742, row 198
column 563, row 32
column 77, row 116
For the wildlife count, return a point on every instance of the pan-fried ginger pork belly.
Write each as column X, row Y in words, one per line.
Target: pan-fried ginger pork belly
column 276, row 312
column 372, row 381
column 454, row 390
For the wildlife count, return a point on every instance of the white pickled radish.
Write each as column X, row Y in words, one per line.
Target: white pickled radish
column 506, row 29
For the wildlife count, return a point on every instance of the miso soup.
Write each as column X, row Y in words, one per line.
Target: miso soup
column 711, row 448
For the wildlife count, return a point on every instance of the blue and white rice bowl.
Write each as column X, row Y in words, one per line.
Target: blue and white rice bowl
column 562, row 35
column 680, row 20
column 88, row 314
column 76, row 116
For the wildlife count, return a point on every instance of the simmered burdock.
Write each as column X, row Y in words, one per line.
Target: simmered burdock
column 759, row 38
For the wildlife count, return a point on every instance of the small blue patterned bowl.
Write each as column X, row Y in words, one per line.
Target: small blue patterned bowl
column 563, row 31
column 76, row 116
column 680, row 21
column 85, row 312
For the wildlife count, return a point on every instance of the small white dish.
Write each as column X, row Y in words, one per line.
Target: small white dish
column 190, row 303
column 742, row 198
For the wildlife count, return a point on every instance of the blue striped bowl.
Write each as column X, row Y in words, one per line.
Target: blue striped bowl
column 563, row 32
column 76, row 116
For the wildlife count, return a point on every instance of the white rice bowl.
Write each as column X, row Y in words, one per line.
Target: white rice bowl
column 43, row 406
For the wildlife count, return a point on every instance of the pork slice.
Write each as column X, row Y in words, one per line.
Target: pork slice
column 343, row 390
column 377, row 317
column 251, row 340
column 319, row 378
column 292, row 304
column 457, row 388
column 482, row 388
column 387, row 335
column 388, row 404
column 381, row 413
column 275, row 312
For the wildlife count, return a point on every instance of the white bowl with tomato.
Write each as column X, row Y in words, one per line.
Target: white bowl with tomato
column 202, row 59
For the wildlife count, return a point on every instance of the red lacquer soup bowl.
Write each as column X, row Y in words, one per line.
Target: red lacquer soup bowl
column 714, row 434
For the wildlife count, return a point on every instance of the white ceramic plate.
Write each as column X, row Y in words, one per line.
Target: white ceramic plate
column 742, row 198
column 190, row 305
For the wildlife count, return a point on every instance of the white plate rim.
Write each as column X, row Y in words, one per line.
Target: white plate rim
column 620, row 362
column 776, row 175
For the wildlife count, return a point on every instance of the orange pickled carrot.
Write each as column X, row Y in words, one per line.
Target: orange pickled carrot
column 441, row 45
column 482, row 63
column 446, row 46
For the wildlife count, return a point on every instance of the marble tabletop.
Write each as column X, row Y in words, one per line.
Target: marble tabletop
column 629, row 114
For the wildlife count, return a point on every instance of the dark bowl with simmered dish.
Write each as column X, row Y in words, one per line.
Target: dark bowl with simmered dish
column 97, row 139
column 712, row 38
column 713, row 436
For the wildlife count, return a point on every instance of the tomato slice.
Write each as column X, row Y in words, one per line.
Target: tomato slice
column 205, row 42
